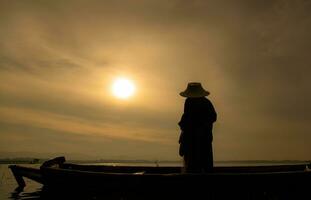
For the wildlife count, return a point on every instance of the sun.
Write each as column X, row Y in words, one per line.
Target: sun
column 123, row 88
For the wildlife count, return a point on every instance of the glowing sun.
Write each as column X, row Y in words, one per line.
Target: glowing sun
column 123, row 88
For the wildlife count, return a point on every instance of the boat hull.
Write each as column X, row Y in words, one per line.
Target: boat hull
column 126, row 180
column 54, row 177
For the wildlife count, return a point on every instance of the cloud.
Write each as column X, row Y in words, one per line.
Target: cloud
column 47, row 143
column 77, row 126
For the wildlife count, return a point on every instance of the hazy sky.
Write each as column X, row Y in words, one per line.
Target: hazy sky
column 58, row 60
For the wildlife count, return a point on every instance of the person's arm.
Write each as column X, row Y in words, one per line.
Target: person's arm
column 183, row 121
column 212, row 112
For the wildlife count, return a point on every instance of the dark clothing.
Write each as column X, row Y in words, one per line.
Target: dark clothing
column 196, row 137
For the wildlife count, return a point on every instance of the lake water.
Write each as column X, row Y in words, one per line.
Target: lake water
column 33, row 190
column 8, row 184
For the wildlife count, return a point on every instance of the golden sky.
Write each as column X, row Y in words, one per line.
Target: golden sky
column 58, row 60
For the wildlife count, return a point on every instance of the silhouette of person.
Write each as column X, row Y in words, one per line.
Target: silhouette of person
column 196, row 126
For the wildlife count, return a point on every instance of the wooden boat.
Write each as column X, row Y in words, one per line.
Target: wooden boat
column 57, row 174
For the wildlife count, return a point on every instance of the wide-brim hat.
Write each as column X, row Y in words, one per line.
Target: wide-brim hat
column 194, row 90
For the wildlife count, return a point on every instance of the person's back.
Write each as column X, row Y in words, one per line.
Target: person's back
column 196, row 139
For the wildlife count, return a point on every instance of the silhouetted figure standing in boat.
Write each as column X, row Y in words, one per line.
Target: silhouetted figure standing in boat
column 196, row 124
